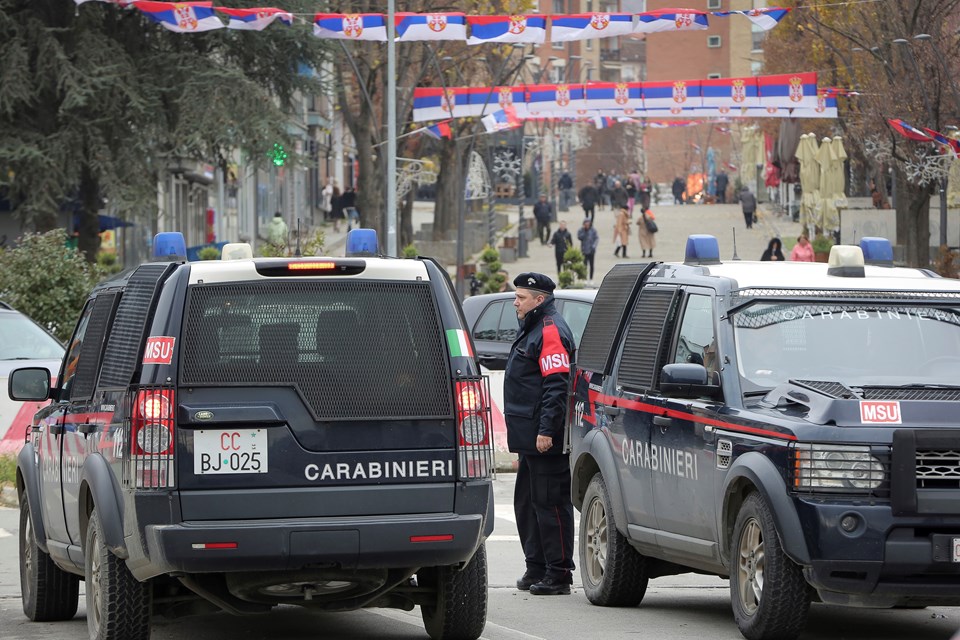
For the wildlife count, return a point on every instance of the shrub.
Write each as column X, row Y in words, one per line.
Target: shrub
column 409, row 252
column 573, row 268
column 46, row 280
column 209, row 253
column 313, row 245
column 107, row 265
column 821, row 243
column 269, row 250
column 490, row 270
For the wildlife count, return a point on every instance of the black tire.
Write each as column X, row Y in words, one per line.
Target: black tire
column 118, row 605
column 48, row 592
column 769, row 595
column 460, row 612
column 613, row 573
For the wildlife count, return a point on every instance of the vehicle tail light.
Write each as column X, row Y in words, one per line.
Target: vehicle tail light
column 152, row 438
column 474, row 424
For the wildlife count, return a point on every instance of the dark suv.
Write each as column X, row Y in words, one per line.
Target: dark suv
column 790, row 426
column 234, row 435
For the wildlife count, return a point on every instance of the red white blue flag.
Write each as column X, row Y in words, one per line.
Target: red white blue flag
column 909, row 131
column 788, row 90
column 436, row 103
column 181, row 17
column 673, row 95
column 614, row 95
column 589, row 26
column 440, row 130
column 255, row 19
column 952, row 146
column 671, row 20
column 555, row 97
column 430, row 26
column 500, row 120
column 531, row 28
column 730, row 92
column 350, row 26
column 766, row 18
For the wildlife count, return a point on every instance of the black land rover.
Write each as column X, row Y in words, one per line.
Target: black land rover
column 791, row 426
column 232, row 435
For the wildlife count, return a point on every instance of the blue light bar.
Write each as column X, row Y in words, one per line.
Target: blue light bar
column 877, row 251
column 169, row 245
column 702, row 249
column 362, row 242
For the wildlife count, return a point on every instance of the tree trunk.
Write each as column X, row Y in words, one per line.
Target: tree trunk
column 449, row 191
column 89, row 240
column 913, row 221
column 406, row 218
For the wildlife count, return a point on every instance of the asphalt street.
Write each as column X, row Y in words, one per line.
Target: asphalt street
column 687, row 607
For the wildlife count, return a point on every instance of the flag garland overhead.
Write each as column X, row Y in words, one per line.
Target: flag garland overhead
column 194, row 17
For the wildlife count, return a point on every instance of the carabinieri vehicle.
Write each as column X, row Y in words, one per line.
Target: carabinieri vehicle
column 791, row 426
column 232, row 435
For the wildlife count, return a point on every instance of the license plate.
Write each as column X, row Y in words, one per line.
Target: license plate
column 229, row 451
column 956, row 549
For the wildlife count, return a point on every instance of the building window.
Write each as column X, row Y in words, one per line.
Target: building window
column 713, row 42
column 589, row 44
column 714, row 76
column 558, row 7
column 757, row 36
column 756, row 67
column 714, row 4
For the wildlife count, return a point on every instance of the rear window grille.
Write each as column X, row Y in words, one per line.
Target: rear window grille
column 355, row 350
column 125, row 342
column 641, row 349
column 938, row 469
column 92, row 348
column 611, row 304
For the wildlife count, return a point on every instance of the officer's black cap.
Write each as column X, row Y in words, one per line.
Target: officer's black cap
column 535, row 281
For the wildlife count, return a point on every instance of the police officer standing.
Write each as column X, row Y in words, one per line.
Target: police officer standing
column 534, row 392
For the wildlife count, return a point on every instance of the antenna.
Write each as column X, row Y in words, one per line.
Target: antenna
column 735, row 256
column 297, row 251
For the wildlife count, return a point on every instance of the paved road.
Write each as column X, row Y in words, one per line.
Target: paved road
column 686, row 607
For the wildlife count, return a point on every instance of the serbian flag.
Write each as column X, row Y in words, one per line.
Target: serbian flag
column 730, row 92
column 181, row 17
column 788, row 90
column 532, row 28
column 669, row 124
column 588, row 26
column 671, row 20
column 436, row 103
column 350, row 26
column 430, row 26
column 604, row 122
column 908, row 131
column 614, row 95
column 255, row 19
column 766, row 18
column 499, row 120
column 673, row 95
column 555, row 97
column 952, row 146
column 440, row 130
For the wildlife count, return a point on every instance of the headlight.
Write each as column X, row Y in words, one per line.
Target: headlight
column 836, row 467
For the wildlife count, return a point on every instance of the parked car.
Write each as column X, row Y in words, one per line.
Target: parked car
column 493, row 321
column 23, row 343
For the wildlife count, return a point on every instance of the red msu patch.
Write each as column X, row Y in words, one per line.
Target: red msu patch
column 553, row 356
column 880, row 412
column 159, row 350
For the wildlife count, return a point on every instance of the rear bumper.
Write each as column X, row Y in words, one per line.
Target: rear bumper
column 291, row 544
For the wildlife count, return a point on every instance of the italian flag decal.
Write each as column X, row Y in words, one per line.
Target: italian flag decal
column 459, row 343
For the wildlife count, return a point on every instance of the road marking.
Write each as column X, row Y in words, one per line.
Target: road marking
column 5, row 534
column 415, row 620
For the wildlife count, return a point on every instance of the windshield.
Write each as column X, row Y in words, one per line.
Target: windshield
column 22, row 339
column 854, row 344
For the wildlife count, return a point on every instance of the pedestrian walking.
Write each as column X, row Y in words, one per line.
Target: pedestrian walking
column 277, row 232
column 678, row 188
column 646, row 230
column 588, row 199
column 773, row 252
column 631, row 190
column 645, row 193
column 535, row 402
column 543, row 212
column 600, row 183
column 748, row 202
column 621, row 232
column 803, row 250
column 618, row 196
column 336, row 207
column 722, row 181
column 565, row 184
column 561, row 241
column 589, row 239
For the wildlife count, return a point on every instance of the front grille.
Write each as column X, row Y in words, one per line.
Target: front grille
column 938, row 469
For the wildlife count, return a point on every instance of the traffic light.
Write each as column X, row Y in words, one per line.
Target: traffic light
column 278, row 155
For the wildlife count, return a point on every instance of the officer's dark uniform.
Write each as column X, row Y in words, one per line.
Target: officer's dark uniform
column 535, row 401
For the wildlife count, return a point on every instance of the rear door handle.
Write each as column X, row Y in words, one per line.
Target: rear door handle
column 663, row 421
column 611, row 410
column 87, row 428
column 56, row 429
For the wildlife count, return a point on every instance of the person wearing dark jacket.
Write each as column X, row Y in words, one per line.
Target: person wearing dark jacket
column 722, row 181
column 589, row 239
column 678, row 188
column 748, row 202
column 561, row 241
column 618, row 197
column 543, row 212
column 773, row 251
column 534, row 394
column 588, row 199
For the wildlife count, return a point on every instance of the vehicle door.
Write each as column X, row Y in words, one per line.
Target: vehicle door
column 494, row 332
column 82, row 418
column 576, row 314
column 629, row 413
column 683, row 442
column 51, row 437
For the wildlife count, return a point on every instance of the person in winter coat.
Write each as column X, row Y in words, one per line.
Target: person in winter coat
column 645, row 193
column 631, row 190
column 543, row 212
column 678, row 188
column 748, row 202
column 561, row 241
column 618, row 197
column 773, row 252
column 535, row 404
column 277, row 231
column 589, row 239
column 600, row 183
column 648, row 238
column 722, row 181
column 621, row 232
column 588, row 197
column 803, row 250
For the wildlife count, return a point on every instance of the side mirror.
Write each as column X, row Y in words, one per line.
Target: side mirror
column 29, row 384
column 687, row 380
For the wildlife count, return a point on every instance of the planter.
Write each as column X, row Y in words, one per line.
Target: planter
column 821, row 256
column 510, row 242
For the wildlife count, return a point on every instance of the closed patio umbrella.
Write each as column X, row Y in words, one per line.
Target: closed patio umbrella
column 835, row 182
column 826, row 210
column 809, row 180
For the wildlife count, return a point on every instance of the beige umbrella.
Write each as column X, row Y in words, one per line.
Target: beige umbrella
column 836, row 182
column 748, row 154
column 809, row 179
column 826, row 209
